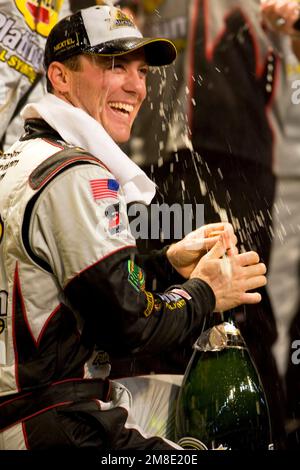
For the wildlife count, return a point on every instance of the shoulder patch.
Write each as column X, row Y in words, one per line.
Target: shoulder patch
column 136, row 276
column 58, row 162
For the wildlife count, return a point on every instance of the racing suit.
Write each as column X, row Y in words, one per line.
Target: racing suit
column 74, row 288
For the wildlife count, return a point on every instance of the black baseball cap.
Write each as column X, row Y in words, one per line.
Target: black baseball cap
column 105, row 31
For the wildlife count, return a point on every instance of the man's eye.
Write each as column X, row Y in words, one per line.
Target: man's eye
column 144, row 70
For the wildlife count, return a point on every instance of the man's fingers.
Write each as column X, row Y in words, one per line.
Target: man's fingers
column 211, row 229
column 232, row 251
column 250, row 298
column 229, row 239
column 217, row 251
column 247, row 259
column 217, row 229
column 280, row 16
column 255, row 270
column 255, row 282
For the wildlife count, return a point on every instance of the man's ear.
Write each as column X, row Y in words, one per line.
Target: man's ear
column 59, row 76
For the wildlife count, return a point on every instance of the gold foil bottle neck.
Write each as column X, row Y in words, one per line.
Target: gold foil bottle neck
column 219, row 337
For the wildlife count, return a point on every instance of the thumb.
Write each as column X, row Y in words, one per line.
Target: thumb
column 217, row 251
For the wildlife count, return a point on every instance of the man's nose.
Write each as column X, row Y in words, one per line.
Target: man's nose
column 135, row 83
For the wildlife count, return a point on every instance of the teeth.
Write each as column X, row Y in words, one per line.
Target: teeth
column 122, row 106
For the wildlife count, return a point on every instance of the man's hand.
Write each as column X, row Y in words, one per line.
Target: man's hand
column 231, row 277
column 185, row 255
column 280, row 15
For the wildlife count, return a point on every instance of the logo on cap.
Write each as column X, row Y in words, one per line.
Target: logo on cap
column 120, row 20
column 66, row 44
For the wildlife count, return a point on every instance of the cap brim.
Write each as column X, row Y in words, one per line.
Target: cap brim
column 158, row 51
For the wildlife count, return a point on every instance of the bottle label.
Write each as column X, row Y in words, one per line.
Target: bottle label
column 191, row 443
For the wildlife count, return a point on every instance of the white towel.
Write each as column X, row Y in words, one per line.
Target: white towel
column 77, row 128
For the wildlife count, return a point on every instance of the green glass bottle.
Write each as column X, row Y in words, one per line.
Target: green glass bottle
column 221, row 402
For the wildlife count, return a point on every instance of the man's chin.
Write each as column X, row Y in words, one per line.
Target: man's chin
column 121, row 139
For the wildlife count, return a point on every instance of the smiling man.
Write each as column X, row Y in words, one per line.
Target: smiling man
column 117, row 88
column 72, row 284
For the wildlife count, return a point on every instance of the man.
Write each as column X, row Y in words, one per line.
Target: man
column 70, row 277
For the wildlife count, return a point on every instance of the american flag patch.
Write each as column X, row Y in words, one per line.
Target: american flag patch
column 181, row 292
column 104, row 188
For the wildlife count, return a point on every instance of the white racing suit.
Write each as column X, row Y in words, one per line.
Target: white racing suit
column 74, row 289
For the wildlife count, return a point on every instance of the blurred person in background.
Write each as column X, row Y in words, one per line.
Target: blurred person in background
column 221, row 112
column 284, row 269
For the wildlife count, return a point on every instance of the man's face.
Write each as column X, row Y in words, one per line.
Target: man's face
column 111, row 90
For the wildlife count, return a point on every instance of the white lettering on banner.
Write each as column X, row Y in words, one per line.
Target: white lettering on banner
column 19, row 49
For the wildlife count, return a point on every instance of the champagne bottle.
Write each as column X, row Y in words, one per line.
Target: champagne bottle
column 221, row 402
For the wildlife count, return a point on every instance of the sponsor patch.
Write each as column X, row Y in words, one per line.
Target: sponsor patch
column 136, row 276
column 104, row 188
column 8, row 160
column 98, row 366
column 100, row 358
column 175, row 305
column 173, row 299
column 112, row 213
column 150, row 303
